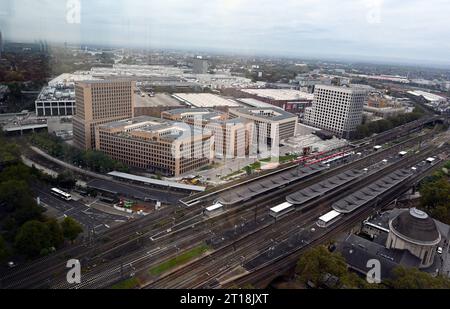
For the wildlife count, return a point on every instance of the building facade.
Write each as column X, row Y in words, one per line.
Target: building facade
column 55, row 101
column 100, row 102
column 232, row 137
column 337, row 109
column 271, row 125
column 156, row 145
column 415, row 231
column 199, row 66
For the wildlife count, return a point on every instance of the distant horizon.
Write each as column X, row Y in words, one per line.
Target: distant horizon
column 389, row 31
column 344, row 59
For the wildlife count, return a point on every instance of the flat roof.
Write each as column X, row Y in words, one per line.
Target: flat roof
column 204, row 100
column 158, row 182
column 329, row 216
column 214, row 207
column 159, row 99
column 367, row 194
column 427, row 95
column 270, row 113
column 281, row 207
column 256, row 103
column 280, row 94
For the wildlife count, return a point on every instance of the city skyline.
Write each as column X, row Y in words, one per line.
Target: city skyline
column 378, row 30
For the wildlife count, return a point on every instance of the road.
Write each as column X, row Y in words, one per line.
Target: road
column 89, row 218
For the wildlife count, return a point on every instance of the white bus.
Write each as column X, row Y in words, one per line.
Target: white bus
column 402, row 153
column 329, row 218
column 377, row 147
column 281, row 209
column 61, row 194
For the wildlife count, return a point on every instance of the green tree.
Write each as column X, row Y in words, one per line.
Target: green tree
column 4, row 252
column 435, row 197
column 71, row 228
column 56, row 233
column 33, row 237
column 413, row 278
column 66, row 180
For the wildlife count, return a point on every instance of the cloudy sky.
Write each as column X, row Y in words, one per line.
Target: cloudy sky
column 403, row 30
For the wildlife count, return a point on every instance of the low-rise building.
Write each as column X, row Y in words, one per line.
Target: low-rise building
column 55, row 101
column 156, row 145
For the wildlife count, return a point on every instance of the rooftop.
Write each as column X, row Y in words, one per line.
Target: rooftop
column 280, row 94
column 357, row 251
column 272, row 113
column 159, row 99
column 427, row 95
column 256, row 103
column 416, row 225
column 204, row 100
column 165, row 129
column 369, row 193
column 322, row 187
column 59, row 93
column 254, row 188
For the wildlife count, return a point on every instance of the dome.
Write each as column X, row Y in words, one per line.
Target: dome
column 416, row 225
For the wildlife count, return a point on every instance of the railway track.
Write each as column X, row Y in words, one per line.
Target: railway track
column 254, row 242
column 120, row 237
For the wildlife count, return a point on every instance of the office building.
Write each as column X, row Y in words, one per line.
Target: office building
column 271, row 125
column 232, row 137
column 99, row 102
column 337, row 109
column 156, row 145
column 199, row 66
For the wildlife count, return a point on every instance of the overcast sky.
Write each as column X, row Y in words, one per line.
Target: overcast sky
column 353, row 29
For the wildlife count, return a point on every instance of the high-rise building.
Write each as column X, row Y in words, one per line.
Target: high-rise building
column 99, row 102
column 200, row 66
column 336, row 109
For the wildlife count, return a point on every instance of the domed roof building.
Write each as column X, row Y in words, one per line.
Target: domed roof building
column 415, row 231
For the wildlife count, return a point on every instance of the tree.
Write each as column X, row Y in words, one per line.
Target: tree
column 317, row 262
column 413, row 278
column 66, row 180
column 56, row 233
column 435, row 197
column 4, row 252
column 71, row 228
column 32, row 238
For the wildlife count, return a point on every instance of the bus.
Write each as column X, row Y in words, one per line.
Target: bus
column 61, row 194
column 281, row 209
column 329, row 218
